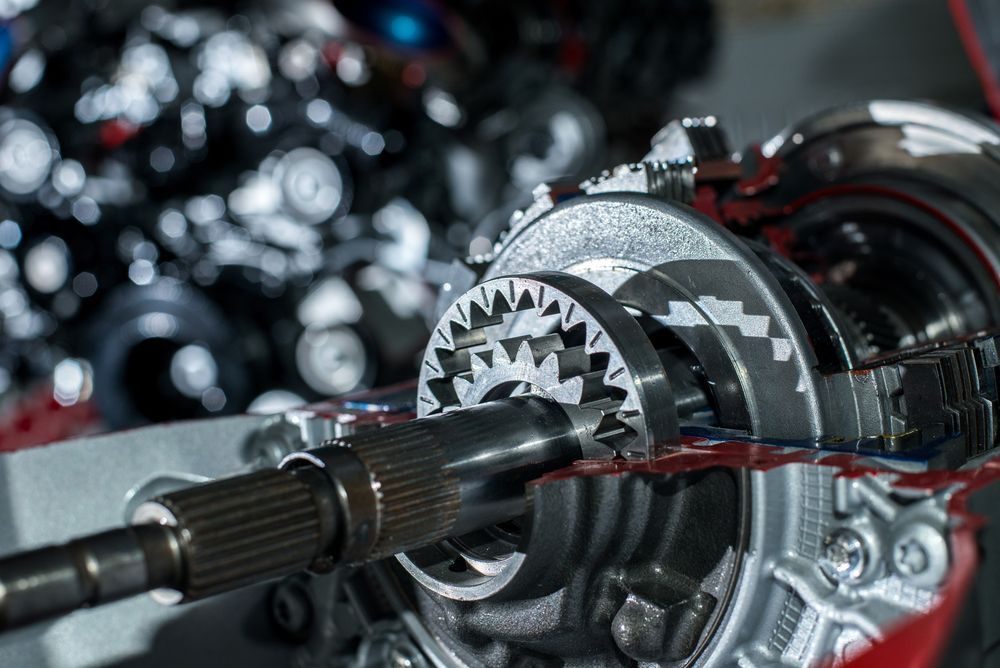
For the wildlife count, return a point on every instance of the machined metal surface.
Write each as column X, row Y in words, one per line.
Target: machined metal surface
column 768, row 424
column 683, row 270
column 564, row 339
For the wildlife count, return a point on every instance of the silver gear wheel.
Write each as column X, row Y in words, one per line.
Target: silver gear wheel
column 561, row 337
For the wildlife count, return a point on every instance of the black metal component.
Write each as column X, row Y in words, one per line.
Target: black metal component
column 625, row 585
column 356, row 499
column 101, row 568
column 242, row 530
column 414, row 484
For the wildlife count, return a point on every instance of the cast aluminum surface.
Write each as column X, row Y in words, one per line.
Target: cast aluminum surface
column 791, row 608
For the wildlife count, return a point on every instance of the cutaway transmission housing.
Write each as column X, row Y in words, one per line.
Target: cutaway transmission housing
column 833, row 291
column 777, row 374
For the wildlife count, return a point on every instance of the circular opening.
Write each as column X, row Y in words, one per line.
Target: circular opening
column 902, row 275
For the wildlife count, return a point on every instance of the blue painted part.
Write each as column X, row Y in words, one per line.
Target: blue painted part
column 6, row 46
column 380, row 407
column 865, row 447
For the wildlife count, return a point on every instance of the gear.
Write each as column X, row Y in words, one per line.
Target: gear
column 563, row 338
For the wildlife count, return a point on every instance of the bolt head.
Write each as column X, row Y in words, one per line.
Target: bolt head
column 920, row 554
column 845, row 556
column 402, row 657
column 911, row 557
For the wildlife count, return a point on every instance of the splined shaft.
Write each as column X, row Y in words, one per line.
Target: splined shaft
column 242, row 530
column 351, row 500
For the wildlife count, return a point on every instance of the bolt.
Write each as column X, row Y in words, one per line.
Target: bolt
column 844, row 555
column 292, row 609
column 404, row 655
column 911, row 558
column 920, row 554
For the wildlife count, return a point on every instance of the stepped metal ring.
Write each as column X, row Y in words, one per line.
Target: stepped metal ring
column 562, row 337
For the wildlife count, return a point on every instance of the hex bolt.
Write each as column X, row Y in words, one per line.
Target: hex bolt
column 845, row 556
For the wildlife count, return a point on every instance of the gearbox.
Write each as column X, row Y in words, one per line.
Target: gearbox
column 705, row 409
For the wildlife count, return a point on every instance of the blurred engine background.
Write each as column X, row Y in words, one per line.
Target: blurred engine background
column 209, row 208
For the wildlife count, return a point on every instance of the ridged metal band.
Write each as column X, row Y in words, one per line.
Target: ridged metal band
column 417, row 497
column 671, row 180
column 233, row 532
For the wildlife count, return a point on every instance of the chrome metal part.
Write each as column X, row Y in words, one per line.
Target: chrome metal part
column 695, row 278
column 560, row 337
column 753, row 420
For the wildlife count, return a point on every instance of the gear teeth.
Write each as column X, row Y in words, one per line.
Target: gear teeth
column 452, row 362
column 551, row 367
column 609, row 428
column 525, row 301
column 524, row 354
column 462, row 338
column 546, row 303
column 463, row 385
column 479, row 315
column 567, row 392
column 505, row 350
column 592, row 387
column 442, row 394
column 573, row 362
column 481, row 360
column 503, row 299
column 572, row 319
column 540, row 347
column 467, row 362
column 611, row 431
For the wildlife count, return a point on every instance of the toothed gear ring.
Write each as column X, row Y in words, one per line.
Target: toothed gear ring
column 564, row 338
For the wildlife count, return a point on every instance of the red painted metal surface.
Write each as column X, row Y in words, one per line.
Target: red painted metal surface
column 37, row 419
column 989, row 78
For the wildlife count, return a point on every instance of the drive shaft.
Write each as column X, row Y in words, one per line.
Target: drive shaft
column 351, row 500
